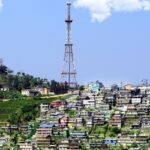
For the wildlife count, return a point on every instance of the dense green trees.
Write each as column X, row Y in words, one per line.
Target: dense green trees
column 4, row 70
column 10, row 95
column 25, row 114
column 21, row 81
column 57, row 87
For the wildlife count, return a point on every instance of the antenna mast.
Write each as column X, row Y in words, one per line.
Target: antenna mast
column 69, row 71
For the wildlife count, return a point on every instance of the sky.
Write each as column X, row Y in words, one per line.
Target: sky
column 111, row 38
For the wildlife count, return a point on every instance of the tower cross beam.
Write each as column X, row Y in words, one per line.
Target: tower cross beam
column 69, row 71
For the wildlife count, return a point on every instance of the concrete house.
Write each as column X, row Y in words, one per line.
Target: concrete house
column 89, row 103
column 116, row 120
column 29, row 92
column 136, row 100
column 43, row 136
column 145, row 122
column 26, row 146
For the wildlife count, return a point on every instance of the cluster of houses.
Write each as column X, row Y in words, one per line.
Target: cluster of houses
column 95, row 120
column 72, row 124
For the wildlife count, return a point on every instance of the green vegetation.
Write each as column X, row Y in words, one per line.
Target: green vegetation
column 9, row 108
column 72, row 113
column 25, row 114
column 6, row 95
column 21, row 81
column 99, row 130
column 113, row 131
column 33, row 130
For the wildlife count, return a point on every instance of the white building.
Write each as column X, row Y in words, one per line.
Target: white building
column 44, row 108
column 26, row 146
column 29, row 92
column 136, row 100
column 89, row 103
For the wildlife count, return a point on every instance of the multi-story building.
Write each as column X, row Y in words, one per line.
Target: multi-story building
column 44, row 136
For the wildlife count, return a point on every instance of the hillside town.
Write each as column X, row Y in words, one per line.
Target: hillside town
column 95, row 117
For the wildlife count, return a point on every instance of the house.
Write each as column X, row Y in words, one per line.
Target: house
column 29, row 92
column 79, row 121
column 110, row 141
column 136, row 125
column 72, row 105
column 56, row 103
column 121, row 101
column 77, row 134
column 89, row 103
column 79, row 105
column 142, row 139
column 44, row 108
column 116, row 120
column 43, row 136
column 3, row 141
column 89, row 122
column 99, row 99
column 63, row 145
column 83, row 113
column 95, row 143
column 104, row 108
column 42, row 91
column 144, row 88
column 94, row 86
column 4, row 89
column 131, row 109
column 143, row 109
column 71, row 123
column 26, row 146
column 4, row 125
column 98, row 121
column 132, row 112
column 55, row 114
column 146, row 100
column 46, row 125
column 130, row 119
column 110, row 99
column 145, row 121
column 74, row 144
column 129, row 87
column 122, row 109
column 125, row 139
column 130, row 139
column 136, row 100
column 124, row 93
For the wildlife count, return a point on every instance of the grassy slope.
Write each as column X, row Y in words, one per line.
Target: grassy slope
column 9, row 107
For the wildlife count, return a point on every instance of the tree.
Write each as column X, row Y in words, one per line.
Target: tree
column 3, row 70
column 15, row 119
column 134, row 145
column 82, row 88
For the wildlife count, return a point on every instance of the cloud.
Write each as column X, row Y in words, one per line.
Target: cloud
column 100, row 10
column 1, row 4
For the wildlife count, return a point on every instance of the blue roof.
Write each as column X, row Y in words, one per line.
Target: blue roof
column 112, row 141
column 46, row 125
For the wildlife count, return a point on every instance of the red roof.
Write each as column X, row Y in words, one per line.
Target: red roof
column 56, row 103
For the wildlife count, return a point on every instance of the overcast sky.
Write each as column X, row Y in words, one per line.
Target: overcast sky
column 111, row 38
